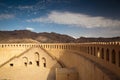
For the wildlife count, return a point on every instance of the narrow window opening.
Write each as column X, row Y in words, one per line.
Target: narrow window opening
column 102, row 54
column 30, row 63
column 91, row 51
column 94, row 51
column 37, row 62
column 88, row 50
column 25, row 63
column 119, row 58
column 107, row 55
column 44, row 64
column 113, row 57
column 11, row 64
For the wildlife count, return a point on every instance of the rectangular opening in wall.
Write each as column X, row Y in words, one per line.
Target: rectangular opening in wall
column 94, row 51
column 11, row 64
column 119, row 59
column 44, row 64
column 113, row 57
column 107, row 55
column 37, row 62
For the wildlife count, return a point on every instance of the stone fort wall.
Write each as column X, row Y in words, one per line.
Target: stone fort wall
column 26, row 62
column 93, row 61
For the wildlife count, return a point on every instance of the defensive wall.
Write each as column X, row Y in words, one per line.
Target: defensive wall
column 26, row 62
column 92, row 61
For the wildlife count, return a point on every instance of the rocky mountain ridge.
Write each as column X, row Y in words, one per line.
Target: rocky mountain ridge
column 26, row 36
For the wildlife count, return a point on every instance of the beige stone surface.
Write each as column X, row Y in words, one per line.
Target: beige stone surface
column 90, row 61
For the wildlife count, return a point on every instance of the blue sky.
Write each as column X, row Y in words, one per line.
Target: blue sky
column 89, row 18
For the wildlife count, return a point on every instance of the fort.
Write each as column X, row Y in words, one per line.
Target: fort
column 60, row 61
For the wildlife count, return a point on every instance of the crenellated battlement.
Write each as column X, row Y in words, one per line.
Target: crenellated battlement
column 36, row 44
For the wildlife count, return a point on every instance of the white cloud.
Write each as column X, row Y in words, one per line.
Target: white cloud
column 29, row 28
column 78, row 20
column 6, row 16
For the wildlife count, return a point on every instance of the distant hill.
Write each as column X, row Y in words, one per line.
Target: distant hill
column 26, row 36
column 100, row 39
column 54, row 37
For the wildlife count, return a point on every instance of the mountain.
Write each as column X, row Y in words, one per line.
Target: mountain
column 26, row 36
column 54, row 37
column 17, row 36
column 100, row 39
